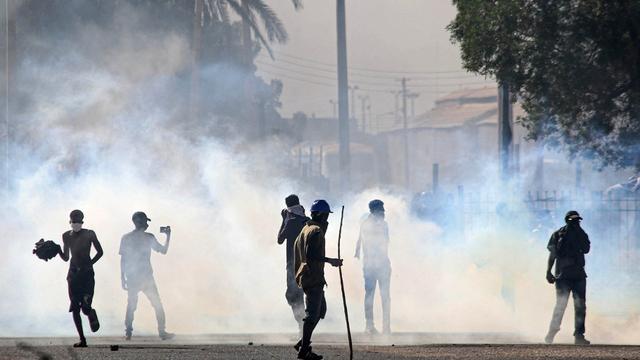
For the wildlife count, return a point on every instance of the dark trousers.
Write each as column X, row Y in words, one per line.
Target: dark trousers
column 578, row 288
column 382, row 278
column 295, row 296
column 148, row 287
column 316, row 309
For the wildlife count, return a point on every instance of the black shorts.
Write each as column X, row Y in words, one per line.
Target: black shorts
column 81, row 285
column 315, row 303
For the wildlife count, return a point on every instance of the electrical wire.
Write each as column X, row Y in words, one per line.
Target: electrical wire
column 316, row 79
column 365, row 69
column 334, row 85
column 356, row 77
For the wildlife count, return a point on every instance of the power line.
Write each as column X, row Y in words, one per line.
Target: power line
column 369, row 85
column 319, row 83
column 290, row 77
column 356, row 73
column 296, row 71
column 372, row 69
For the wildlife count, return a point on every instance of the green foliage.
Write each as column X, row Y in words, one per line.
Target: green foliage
column 574, row 65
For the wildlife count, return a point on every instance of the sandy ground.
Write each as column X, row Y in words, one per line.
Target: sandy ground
column 244, row 347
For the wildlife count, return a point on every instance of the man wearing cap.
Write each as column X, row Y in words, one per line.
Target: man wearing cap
column 136, row 272
column 80, row 278
column 376, row 267
column 309, row 259
column 293, row 220
column 567, row 247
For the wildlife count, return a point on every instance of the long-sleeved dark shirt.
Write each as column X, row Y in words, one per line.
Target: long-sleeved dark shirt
column 568, row 246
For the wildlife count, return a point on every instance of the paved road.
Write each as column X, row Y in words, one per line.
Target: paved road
column 233, row 347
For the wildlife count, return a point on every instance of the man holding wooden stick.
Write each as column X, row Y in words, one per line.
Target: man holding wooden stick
column 309, row 258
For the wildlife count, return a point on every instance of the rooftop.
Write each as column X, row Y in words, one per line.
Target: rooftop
column 462, row 107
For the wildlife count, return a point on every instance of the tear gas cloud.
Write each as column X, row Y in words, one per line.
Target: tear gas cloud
column 100, row 130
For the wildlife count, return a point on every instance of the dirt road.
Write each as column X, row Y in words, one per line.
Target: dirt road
column 258, row 347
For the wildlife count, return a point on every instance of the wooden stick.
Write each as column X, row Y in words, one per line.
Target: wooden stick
column 344, row 298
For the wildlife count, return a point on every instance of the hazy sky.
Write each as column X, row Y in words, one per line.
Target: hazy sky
column 386, row 36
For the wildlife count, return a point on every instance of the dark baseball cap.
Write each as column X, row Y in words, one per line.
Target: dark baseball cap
column 572, row 215
column 139, row 215
column 321, row 206
column 76, row 216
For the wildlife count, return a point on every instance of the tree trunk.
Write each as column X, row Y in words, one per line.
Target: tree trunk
column 505, row 131
column 247, row 43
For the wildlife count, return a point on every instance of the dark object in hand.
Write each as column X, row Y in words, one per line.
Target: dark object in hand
column 550, row 278
column 46, row 250
column 165, row 229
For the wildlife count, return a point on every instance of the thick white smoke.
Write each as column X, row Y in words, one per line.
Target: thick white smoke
column 104, row 135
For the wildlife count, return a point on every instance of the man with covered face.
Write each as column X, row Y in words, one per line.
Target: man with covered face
column 136, row 272
column 309, row 259
column 293, row 220
column 567, row 247
column 376, row 267
column 77, row 245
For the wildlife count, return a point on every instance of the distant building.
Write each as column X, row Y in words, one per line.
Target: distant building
column 460, row 134
column 316, row 155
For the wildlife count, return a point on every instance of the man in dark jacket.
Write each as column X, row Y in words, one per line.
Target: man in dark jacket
column 567, row 247
column 309, row 259
column 293, row 220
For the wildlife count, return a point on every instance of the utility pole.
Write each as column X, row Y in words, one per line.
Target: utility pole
column 405, row 132
column 353, row 100
column 505, row 131
column 334, row 106
column 363, row 103
column 397, row 105
column 343, row 97
column 194, row 96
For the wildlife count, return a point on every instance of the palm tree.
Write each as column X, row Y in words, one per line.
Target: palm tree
column 273, row 25
column 252, row 12
column 256, row 16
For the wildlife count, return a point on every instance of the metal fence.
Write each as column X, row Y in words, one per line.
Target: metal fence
column 610, row 218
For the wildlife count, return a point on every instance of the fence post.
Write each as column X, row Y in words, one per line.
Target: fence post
column 578, row 175
column 321, row 160
column 310, row 160
column 435, row 177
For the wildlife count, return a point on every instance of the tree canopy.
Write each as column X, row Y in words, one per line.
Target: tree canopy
column 574, row 65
